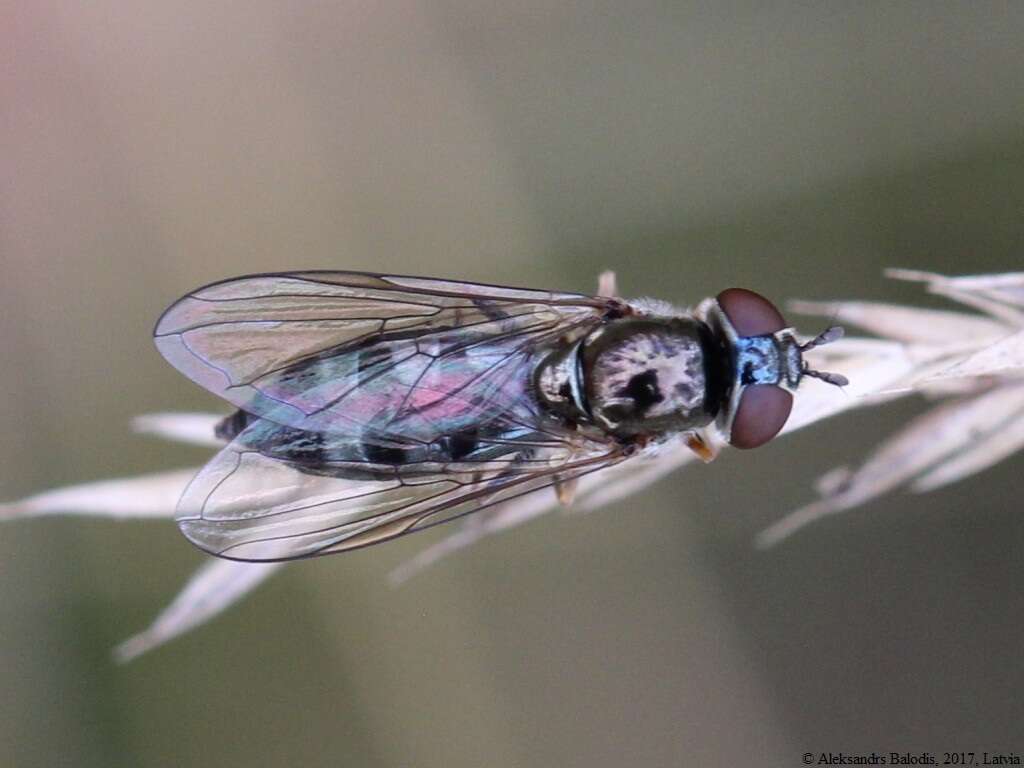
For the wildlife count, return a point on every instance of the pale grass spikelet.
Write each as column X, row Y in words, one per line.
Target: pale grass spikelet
column 971, row 362
column 191, row 428
column 146, row 496
column 216, row 585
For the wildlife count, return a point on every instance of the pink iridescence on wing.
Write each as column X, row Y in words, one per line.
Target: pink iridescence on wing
column 399, row 388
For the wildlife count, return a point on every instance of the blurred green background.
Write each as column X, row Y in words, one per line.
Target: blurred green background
column 798, row 149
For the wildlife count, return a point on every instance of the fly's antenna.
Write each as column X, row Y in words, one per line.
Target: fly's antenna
column 830, row 334
column 835, row 379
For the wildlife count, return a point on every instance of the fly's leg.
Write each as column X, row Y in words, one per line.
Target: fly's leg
column 565, row 490
column 608, row 288
column 701, row 445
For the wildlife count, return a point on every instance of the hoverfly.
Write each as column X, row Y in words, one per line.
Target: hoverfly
column 371, row 406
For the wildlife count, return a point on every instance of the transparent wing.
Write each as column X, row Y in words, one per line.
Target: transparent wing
column 247, row 505
column 346, row 351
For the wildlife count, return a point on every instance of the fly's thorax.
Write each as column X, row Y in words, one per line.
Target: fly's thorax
column 636, row 376
column 765, row 364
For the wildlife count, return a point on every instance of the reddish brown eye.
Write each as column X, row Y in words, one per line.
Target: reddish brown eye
column 751, row 314
column 762, row 413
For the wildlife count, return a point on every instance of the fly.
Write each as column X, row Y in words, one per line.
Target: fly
column 371, row 406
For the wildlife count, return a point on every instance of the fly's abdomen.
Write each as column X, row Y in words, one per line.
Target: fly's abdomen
column 372, row 455
column 418, row 408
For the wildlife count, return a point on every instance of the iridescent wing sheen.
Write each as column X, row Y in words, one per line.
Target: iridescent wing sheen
column 385, row 355
column 251, row 503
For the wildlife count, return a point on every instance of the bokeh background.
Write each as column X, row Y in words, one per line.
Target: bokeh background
column 796, row 148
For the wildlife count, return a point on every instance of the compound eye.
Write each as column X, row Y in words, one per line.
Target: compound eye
column 751, row 314
column 761, row 415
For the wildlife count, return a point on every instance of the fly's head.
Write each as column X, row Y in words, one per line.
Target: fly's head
column 763, row 363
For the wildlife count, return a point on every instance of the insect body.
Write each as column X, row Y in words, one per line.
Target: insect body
column 371, row 406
